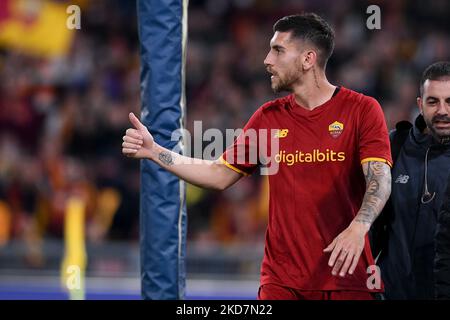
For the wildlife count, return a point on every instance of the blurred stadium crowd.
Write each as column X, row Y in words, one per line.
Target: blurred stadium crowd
column 62, row 119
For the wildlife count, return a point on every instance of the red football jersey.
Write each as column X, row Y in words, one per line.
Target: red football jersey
column 317, row 186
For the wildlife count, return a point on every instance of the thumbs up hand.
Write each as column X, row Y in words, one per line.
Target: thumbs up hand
column 137, row 142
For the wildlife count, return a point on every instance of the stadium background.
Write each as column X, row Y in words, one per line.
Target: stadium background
column 63, row 114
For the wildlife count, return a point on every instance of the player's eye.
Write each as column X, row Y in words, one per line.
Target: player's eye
column 277, row 50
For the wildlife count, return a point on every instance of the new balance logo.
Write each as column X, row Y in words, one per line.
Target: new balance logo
column 281, row 133
column 403, row 178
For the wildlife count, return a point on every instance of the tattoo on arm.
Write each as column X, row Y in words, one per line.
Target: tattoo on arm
column 378, row 189
column 166, row 158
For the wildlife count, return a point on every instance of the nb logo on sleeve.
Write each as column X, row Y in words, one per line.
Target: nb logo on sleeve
column 281, row 133
column 403, row 179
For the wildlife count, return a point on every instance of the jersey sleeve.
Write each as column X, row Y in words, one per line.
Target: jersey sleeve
column 243, row 155
column 374, row 142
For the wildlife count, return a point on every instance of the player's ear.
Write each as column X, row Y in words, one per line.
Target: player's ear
column 420, row 104
column 309, row 59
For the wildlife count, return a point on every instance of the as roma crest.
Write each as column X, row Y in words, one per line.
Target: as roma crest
column 336, row 129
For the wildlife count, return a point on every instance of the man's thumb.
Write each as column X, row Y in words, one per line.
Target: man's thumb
column 135, row 121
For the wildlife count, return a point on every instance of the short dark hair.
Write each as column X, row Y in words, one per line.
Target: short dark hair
column 310, row 27
column 436, row 71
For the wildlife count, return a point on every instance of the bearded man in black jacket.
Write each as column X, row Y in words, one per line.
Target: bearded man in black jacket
column 419, row 181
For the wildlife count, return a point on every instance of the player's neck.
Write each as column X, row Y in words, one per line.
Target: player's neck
column 311, row 94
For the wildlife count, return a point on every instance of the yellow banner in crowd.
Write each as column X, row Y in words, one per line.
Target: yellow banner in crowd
column 36, row 27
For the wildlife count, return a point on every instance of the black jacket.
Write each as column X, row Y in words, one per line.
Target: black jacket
column 442, row 259
column 406, row 262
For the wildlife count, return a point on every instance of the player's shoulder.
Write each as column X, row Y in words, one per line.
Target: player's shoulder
column 360, row 100
column 275, row 105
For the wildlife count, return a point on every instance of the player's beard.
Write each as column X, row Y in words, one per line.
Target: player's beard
column 285, row 83
column 442, row 135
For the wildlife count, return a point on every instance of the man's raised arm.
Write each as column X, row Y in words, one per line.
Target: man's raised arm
column 138, row 143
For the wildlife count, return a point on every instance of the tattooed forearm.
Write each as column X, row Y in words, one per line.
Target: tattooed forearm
column 166, row 158
column 378, row 189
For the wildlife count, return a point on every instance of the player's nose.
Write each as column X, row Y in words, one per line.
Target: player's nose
column 442, row 108
column 268, row 61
